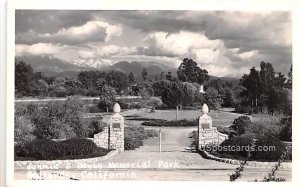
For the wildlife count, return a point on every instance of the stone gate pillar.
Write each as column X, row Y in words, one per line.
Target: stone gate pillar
column 116, row 129
column 113, row 135
column 206, row 133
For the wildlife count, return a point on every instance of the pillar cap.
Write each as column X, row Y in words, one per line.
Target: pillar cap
column 117, row 108
column 205, row 108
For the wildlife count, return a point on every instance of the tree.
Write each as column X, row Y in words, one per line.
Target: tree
column 73, row 87
column 172, row 95
column 189, row 71
column 169, row 76
column 100, row 83
column 289, row 82
column 131, row 79
column 107, row 97
column 145, row 74
column 23, row 78
column 162, row 75
column 118, row 80
column 253, row 85
column 155, row 102
column 230, row 98
column 267, row 75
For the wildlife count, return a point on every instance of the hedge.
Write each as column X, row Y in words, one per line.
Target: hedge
column 165, row 123
column 44, row 149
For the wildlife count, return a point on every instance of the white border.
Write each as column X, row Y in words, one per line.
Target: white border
column 243, row 5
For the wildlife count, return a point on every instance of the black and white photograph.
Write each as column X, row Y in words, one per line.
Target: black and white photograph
column 152, row 95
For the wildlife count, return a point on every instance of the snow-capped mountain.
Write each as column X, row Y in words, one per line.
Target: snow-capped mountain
column 91, row 63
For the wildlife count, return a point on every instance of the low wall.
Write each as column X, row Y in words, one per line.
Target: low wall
column 287, row 165
column 209, row 136
column 101, row 139
column 61, row 164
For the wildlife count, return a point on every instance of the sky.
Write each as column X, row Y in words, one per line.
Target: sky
column 225, row 43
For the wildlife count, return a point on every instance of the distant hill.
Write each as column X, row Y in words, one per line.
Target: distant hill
column 235, row 81
column 55, row 67
column 137, row 67
column 52, row 66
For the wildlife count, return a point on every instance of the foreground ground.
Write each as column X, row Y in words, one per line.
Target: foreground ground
column 176, row 162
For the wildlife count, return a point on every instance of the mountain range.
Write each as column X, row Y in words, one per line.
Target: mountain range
column 51, row 66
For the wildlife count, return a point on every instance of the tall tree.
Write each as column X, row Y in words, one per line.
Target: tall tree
column 253, row 85
column 189, row 71
column 23, row 78
column 267, row 76
column 145, row 74
column 131, row 78
column 289, row 82
column 169, row 76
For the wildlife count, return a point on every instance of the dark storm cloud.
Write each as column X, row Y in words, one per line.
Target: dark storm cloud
column 49, row 21
column 62, row 38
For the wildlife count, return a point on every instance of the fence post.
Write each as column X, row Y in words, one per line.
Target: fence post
column 160, row 140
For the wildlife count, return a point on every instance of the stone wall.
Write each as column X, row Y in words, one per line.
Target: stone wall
column 210, row 136
column 113, row 135
column 101, row 139
column 206, row 133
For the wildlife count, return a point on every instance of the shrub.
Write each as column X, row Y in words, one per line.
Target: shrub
column 240, row 143
column 123, row 104
column 151, row 133
column 244, row 109
column 134, row 136
column 93, row 127
column 269, row 154
column 132, row 143
column 42, row 149
column 286, row 131
column 23, row 129
column 78, row 146
column 93, row 109
column 265, row 148
column 265, row 125
column 240, row 124
column 59, row 120
column 165, row 123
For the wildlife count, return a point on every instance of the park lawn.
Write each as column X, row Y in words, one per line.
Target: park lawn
column 219, row 118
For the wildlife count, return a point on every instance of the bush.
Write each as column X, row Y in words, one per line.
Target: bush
column 165, row 123
column 78, row 146
column 42, row 149
column 286, row 131
column 238, row 142
column 240, row 124
column 93, row 109
column 93, row 127
column 269, row 155
column 132, row 143
column 23, row 129
column 265, row 148
column 244, row 109
column 123, row 104
column 134, row 136
column 264, row 125
column 59, row 120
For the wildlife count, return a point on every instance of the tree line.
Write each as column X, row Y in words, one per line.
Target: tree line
column 259, row 89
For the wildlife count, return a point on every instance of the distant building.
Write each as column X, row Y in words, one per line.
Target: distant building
column 201, row 89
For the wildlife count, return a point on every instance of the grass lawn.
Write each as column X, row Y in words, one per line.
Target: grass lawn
column 219, row 119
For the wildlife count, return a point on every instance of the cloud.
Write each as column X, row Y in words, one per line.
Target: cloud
column 223, row 41
column 49, row 21
column 92, row 31
column 38, row 49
